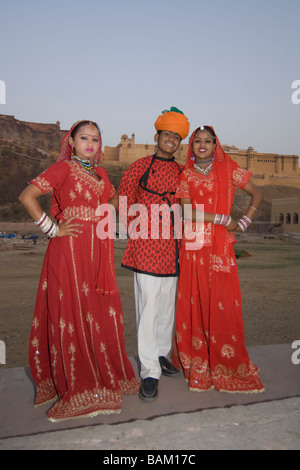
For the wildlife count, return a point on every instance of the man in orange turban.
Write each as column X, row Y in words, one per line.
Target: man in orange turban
column 148, row 183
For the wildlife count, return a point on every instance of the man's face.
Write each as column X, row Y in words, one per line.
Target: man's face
column 167, row 142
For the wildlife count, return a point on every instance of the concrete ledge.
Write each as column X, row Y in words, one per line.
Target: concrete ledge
column 279, row 375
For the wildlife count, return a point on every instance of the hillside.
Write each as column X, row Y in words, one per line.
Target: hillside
column 46, row 137
column 19, row 163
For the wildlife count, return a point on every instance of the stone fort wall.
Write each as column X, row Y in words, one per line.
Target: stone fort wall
column 267, row 168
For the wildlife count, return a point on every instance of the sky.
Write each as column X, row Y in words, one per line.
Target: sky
column 230, row 64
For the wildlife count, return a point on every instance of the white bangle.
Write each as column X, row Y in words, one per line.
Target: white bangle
column 229, row 221
column 222, row 219
column 244, row 223
column 47, row 226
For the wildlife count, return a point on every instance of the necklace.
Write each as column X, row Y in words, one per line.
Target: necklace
column 85, row 164
column 206, row 161
column 204, row 171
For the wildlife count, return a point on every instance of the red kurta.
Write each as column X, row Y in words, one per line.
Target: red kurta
column 209, row 339
column 151, row 181
column 77, row 349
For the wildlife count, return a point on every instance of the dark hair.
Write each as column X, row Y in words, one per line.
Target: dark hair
column 81, row 124
column 207, row 129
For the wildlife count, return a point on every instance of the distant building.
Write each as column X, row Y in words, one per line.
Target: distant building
column 267, row 168
column 287, row 212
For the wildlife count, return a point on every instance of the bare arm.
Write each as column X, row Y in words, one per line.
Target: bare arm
column 208, row 217
column 256, row 199
column 114, row 202
column 29, row 198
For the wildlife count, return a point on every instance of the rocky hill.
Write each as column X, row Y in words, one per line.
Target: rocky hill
column 46, row 137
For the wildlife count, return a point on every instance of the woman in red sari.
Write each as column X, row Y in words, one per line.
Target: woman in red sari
column 77, row 351
column 209, row 339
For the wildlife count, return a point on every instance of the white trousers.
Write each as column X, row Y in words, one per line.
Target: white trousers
column 155, row 299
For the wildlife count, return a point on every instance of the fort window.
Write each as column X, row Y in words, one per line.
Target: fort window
column 288, row 218
column 295, row 218
column 281, row 217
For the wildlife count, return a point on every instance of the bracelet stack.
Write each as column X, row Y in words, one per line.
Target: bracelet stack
column 47, row 226
column 244, row 223
column 222, row 219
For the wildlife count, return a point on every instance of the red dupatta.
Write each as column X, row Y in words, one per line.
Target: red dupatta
column 224, row 194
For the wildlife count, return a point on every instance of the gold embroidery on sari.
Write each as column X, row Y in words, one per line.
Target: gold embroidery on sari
column 196, row 342
column 35, row 343
column 82, row 212
column 85, row 289
column 88, row 195
column 43, row 184
column 70, row 328
column 54, row 361
column 109, row 372
column 92, row 242
column 87, row 403
column 178, row 337
column 72, row 350
column 78, row 187
column 227, row 351
column 113, row 314
column 45, row 392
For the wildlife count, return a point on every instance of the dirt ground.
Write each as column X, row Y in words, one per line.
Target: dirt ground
column 269, row 283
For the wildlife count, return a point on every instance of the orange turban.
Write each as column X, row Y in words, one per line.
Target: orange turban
column 174, row 121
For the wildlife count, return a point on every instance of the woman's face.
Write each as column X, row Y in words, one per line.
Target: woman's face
column 203, row 146
column 86, row 142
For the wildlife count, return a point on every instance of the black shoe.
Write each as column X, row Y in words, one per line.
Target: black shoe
column 167, row 368
column 149, row 389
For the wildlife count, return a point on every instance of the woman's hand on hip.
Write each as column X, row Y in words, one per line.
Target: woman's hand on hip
column 68, row 228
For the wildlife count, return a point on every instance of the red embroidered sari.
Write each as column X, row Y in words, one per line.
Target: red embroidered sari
column 209, row 339
column 77, row 351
